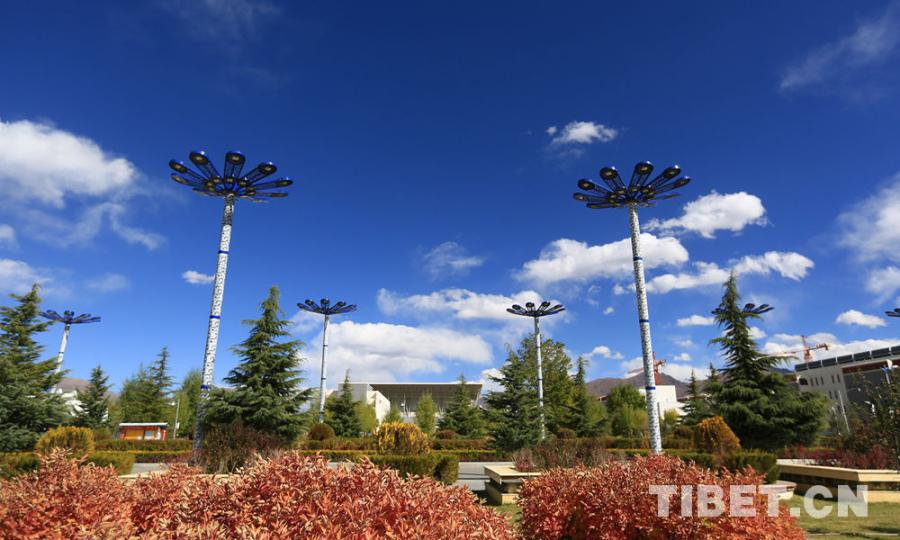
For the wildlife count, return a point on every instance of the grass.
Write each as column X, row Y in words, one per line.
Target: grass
column 882, row 522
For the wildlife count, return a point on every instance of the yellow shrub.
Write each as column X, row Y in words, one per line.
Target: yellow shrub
column 713, row 435
column 79, row 440
column 400, row 438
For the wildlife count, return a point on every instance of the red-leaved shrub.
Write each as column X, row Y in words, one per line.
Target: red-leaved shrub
column 289, row 496
column 875, row 457
column 614, row 502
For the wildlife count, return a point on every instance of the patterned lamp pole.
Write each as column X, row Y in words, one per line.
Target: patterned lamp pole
column 231, row 185
column 68, row 318
column 324, row 307
column 640, row 191
column 893, row 313
column 536, row 313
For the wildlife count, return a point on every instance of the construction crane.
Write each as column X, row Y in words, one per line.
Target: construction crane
column 657, row 363
column 807, row 350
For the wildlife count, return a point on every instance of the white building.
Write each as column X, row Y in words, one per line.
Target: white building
column 406, row 396
column 666, row 400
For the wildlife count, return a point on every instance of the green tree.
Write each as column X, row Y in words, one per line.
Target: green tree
column 425, row 413
column 393, row 415
column 265, row 393
column 139, row 399
column 188, row 397
column 588, row 413
column 94, row 401
column 341, row 411
column 28, row 404
column 627, row 412
column 368, row 419
column 558, row 384
column 514, row 410
column 696, row 407
column 757, row 402
column 668, row 422
column 461, row 415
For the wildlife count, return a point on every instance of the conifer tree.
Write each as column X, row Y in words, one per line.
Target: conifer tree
column 94, row 401
column 514, row 410
column 425, row 414
column 756, row 401
column 696, row 406
column 461, row 416
column 627, row 411
column 28, row 404
column 589, row 415
column 265, row 393
column 393, row 415
column 139, row 400
column 341, row 411
column 558, row 384
column 189, row 397
column 368, row 419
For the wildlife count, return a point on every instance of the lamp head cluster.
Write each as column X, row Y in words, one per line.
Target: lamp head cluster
column 893, row 313
column 232, row 182
column 640, row 191
column 531, row 310
column 749, row 309
column 68, row 317
column 325, row 307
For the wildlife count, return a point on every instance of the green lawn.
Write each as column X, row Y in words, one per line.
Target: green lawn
column 883, row 522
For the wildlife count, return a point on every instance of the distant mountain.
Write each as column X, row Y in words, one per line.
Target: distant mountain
column 602, row 387
column 71, row 384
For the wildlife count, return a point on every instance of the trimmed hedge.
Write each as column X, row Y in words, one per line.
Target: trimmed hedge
column 14, row 464
column 121, row 445
column 408, row 465
column 459, row 444
column 162, row 456
column 442, row 466
column 447, row 469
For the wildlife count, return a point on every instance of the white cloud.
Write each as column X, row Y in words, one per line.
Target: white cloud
column 571, row 260
column 785, row 342
column 682, row 357
column 757, row 333
column 388, row 352
column 487, row 382
column 582, row 133
column 7, row 236
column 715, row 212
column 226, row 21
column 40, row 162
column 197, row 278
column 109, row 282
column 19, row 276
column 449, row 259
column 884, row 282
column 859, row 318
column 696, row 320
column 790, row 265
column 605, row 352
column 871, row 228
column 682, row 372
column 608, row 311
column 64, row 232
column 686, row 343
column 872, row 42
column 463, row 303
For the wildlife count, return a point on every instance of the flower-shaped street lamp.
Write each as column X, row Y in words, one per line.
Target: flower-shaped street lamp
column 893, row 313
column 749, row 309
column 68, row 318
column 230, row 185
column 536, row 312
column 326, row 308
column 640, row 191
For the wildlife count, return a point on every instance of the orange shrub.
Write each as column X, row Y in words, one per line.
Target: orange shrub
column 614, row 502
column 77, row 439
column 713, row 435
column 290, row 496
column 401, row 438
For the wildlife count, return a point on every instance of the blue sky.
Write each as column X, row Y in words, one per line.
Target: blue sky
column 435, row 149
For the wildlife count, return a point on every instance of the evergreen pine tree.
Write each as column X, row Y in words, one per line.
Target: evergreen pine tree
column 514, row 410
column 28, row 404
column 368, row 419
column 757, row 402
column 627, row 412
column 189, row 398
column 461, row 416
column 139, row 400
column 425, row 414
column 696, row 406
column 94, row 402
column 341, row 411
column 558, row 384
column 265, row 393
column 589, row 415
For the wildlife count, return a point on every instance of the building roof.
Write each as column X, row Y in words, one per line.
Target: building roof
column 877, row 354
column 144, row 424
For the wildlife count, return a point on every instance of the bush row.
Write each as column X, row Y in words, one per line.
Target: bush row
column 16, row 463
column 462, row 455
column 120, row 445
column 290, row 496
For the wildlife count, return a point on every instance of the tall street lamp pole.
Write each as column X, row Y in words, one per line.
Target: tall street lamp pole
column 536, row 313
column 68, row 318
column 324, row 307
column 640, row 191
column 230, row 186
